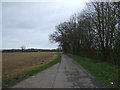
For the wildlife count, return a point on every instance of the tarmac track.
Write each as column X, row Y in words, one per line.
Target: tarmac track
column 66, row 74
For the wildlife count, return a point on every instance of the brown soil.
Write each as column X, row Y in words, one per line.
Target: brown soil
column 15, row 63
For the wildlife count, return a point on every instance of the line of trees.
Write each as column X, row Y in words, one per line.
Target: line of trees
column 94, row 33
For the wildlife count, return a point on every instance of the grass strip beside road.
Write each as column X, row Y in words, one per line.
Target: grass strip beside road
column 12, row 81
column 105, row 72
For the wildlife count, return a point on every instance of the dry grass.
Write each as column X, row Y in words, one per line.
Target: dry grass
column 15, row 63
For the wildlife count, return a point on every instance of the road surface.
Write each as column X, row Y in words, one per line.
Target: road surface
column 66, row 74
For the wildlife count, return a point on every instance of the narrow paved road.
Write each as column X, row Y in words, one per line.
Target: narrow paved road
column 66, row 74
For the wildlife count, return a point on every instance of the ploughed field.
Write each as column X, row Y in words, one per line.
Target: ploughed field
column 16, row 63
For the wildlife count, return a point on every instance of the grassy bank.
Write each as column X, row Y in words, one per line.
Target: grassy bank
column 105, row 72
column 13, row 80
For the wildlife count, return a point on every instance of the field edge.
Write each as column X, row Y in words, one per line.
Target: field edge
column 26, row 74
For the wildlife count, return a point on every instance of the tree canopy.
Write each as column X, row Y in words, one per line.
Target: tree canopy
column 94, row 33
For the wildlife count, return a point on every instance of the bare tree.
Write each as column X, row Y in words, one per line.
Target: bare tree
column 92, row 33
column 23, row 48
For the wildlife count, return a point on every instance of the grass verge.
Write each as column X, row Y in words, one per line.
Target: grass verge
column 12, row 81
column 105, row 72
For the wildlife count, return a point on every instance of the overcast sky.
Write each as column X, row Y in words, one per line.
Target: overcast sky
column 31, row 23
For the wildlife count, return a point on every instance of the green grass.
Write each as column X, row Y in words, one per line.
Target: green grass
column 13, row 80
column 105, row 72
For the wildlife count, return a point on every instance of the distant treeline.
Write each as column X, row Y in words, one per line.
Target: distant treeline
column 30, row 50
column 93, row 33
